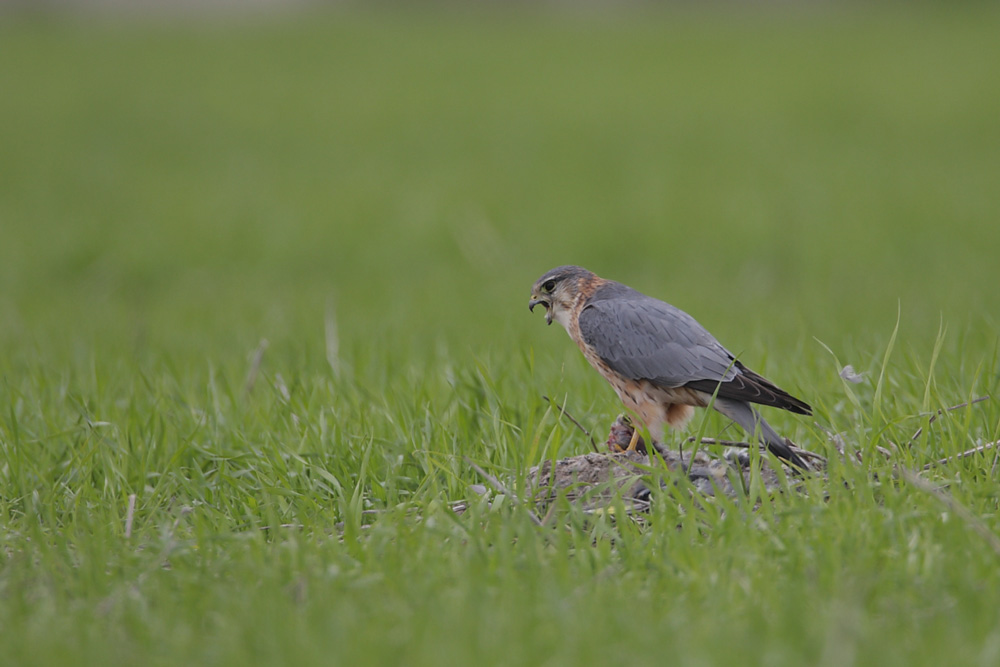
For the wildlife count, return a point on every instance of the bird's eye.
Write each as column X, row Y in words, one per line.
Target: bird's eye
column 549, row 285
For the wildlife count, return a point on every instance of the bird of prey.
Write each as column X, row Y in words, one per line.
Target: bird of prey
column 660, row 361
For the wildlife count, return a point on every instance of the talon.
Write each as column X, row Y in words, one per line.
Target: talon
column 634, row 441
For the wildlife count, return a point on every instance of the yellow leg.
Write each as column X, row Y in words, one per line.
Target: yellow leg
column 634, row 441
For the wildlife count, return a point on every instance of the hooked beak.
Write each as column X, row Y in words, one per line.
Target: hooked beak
column 541, row 302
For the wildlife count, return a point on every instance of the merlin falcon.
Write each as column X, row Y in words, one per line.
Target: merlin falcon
column 660, row 361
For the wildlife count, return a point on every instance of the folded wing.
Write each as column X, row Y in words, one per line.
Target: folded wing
column 643, row 338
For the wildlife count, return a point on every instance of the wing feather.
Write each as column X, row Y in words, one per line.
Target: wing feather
column 643, row 338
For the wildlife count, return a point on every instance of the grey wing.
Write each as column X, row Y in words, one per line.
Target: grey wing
column 644, row 338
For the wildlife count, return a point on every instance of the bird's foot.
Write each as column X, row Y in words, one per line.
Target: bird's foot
column 624, row 437
column 634, row 441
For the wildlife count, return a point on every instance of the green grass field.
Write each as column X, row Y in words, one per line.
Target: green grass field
column 374, row 195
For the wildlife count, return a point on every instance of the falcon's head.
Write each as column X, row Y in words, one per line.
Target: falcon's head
column 558, row 290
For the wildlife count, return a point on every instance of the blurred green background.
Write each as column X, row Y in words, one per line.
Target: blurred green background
column 195, row 185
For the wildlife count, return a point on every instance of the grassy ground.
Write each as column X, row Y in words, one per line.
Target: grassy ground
column 374, row 195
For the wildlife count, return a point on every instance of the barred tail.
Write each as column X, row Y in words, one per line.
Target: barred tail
column 750, row 421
